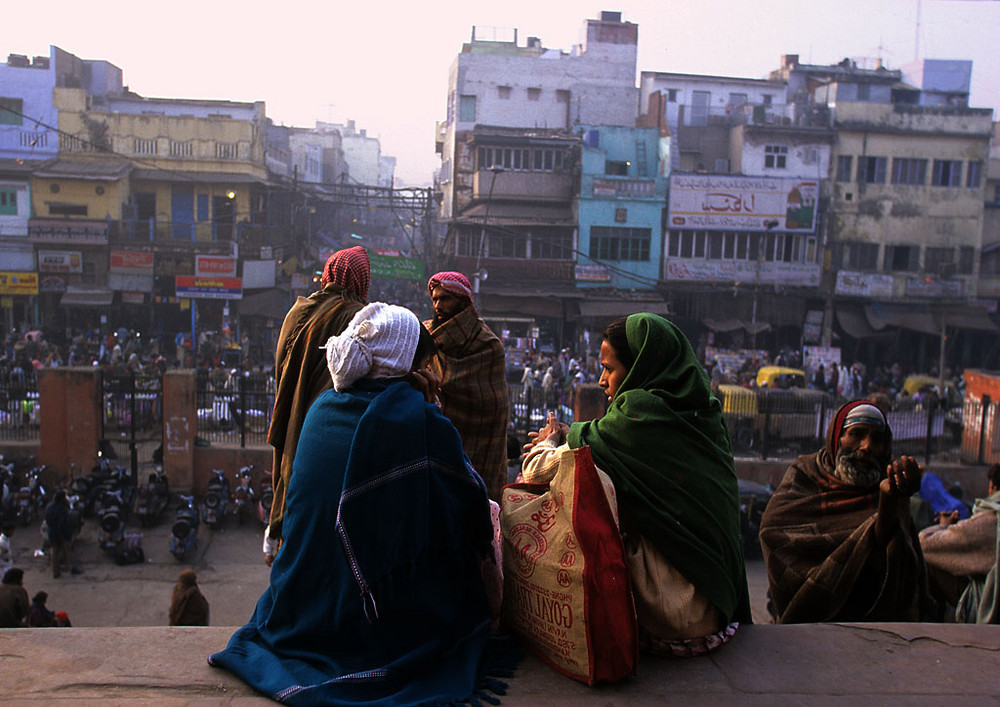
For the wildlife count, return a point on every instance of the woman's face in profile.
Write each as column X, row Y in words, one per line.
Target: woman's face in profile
column 613, row 372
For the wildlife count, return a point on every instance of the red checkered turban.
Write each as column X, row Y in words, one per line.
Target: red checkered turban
column 348, row 268
column 453, row 282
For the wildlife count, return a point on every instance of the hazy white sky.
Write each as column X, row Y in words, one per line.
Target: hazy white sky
column 385, row 64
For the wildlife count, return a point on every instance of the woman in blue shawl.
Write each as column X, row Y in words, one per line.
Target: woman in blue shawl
column 377, row 594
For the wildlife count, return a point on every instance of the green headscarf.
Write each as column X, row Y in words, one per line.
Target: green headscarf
column 665, row 445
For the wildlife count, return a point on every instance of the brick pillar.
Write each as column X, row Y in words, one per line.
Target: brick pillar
column 590, row 403
column 70, row 419
column 180, row 423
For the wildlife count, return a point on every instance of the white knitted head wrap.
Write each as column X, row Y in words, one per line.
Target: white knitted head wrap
column 378, row 343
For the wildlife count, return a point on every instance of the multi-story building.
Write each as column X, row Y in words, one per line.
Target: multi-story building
column 29, row 137
column 178, row 179
column 620, row 208
column 363, row 155
column 743, row 231
column 988, row 287
column 510, row 164
column 905, row 215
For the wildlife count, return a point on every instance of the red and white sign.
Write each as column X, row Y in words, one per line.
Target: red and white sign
column 60, row 261
column 214, row 266
column 198, row 287
column 132, row 262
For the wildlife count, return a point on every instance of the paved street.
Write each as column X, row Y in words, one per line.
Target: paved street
column 228, row 562
column 230, row 570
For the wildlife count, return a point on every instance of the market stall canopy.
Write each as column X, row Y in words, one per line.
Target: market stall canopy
column 724, row 325
column 77, row 297
column 620, row 308
column 926, row 319
column 270, row 304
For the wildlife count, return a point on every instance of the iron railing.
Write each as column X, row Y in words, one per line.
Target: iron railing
column 19, row 405
column 234, row 408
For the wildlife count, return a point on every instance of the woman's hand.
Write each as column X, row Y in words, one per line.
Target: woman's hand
column 554, row 430
column 426, row 382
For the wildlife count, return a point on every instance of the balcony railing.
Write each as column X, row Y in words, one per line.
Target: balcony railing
column 176, row 233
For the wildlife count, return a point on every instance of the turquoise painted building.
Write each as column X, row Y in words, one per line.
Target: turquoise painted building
column 623, row 191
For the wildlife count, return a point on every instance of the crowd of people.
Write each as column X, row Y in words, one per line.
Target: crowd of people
column 386, row 542
column 379, row 417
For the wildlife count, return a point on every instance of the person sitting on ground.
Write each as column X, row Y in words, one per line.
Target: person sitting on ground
column 838, row 540
column 665, row 446
column 62, row 620
column 188, row 606
column 958, row 551
column 14, row 602
column 378, row 594
column 39, row 615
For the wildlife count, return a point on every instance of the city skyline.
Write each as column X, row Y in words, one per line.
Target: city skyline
column 323, row 63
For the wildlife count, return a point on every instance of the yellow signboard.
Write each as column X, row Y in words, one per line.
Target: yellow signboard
column 18, row 283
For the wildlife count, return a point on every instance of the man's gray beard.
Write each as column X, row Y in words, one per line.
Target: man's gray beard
column 856, row 469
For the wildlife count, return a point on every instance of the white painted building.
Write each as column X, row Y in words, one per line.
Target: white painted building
column 495, row 82
column 362, row 153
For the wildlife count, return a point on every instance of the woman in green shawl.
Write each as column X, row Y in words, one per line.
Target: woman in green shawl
column 664, row 444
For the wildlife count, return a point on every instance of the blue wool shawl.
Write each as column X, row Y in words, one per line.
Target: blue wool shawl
column 376, row 595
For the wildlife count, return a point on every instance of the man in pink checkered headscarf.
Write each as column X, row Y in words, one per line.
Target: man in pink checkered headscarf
column 471, row 365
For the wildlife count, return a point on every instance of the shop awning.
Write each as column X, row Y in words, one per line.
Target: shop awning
column 87, row 298
column 974, row 318
column 724, row 325
column 912, row 317
column 620, row 308
column 271, row 304
column 854, row 323
column 928, row 320
column 160, row 175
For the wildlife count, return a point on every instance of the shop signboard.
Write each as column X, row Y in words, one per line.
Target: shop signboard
column 209, row 287
column 732, row 203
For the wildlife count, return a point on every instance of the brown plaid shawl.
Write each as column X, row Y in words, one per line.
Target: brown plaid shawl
column 824, row 562
column 473, row 393
column 302, row 374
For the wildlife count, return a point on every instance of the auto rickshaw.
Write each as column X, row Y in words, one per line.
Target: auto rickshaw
column 780, row 377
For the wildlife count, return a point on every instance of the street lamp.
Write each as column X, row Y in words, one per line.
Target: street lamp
column 478, row 276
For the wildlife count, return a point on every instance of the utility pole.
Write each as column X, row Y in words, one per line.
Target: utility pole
column 495, row 169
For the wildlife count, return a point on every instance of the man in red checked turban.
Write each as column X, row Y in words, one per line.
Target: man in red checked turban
column 300, row 365
column 470, row 363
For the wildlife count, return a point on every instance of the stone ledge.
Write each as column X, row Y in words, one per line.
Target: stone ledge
column 805, row 664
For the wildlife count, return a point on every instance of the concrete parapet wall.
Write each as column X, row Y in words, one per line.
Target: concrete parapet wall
column 765, row 664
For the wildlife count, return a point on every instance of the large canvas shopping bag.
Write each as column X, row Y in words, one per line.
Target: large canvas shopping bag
column 567, row 592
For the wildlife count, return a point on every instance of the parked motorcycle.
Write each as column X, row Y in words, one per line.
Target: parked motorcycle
column 266, row 499
column 8, row 507
column 112, row 526
column 184, row 533
column 31, row 496
column 152, row 497
column 244, row 498
column 216, row 501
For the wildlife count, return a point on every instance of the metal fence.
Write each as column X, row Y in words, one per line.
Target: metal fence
column 20, row 408
column 784, row 423
column 132, row 414
column 234, row 408
column 981, row 432
column 530, row 405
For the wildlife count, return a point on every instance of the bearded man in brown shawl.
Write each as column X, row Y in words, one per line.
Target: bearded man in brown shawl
column 837, row 536
column 470, row 364
column 300, row 367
